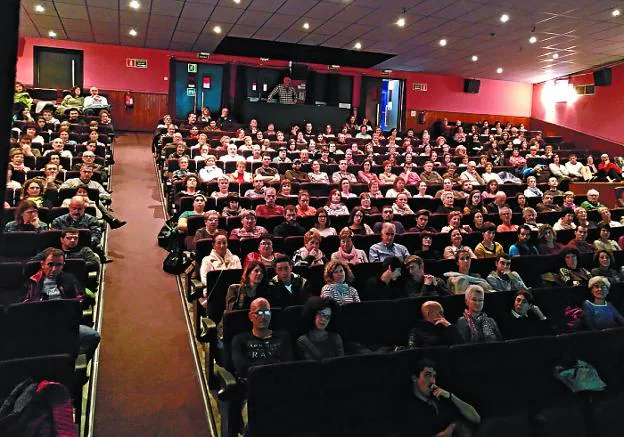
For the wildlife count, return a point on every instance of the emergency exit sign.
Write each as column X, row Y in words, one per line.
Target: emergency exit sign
column 136, row 63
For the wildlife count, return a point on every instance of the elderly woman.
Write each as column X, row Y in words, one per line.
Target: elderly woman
column 603, row 260
column 346, row 252
column 223, row 188
column 454, row 222
column 356, row 222
column 220, row 257
column 337, row 274
column 211, row 228
column 240, row 175
column 547, row 244
column 265, row 253
column 252, row 285
column 318, row 343
column 310, row 254
column 598, row 313
column 603, row 242
column 323, row 224
column 366, row 204
column 456, row 245
column 26, row 218
column 571, row 274
column 475, row 326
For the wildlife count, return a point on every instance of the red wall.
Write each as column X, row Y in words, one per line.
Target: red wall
column 599, row 115
column 105, row 66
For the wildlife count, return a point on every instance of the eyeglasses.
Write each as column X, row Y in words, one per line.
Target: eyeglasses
column 324, row 315
column 262, row 313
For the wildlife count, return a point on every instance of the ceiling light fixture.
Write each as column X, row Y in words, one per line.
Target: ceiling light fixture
column 132, row 32
column 504, row 18
column 134, row 4
column 499, row 70
column 616, row 13
column 533, row 39
column 401, row 22
column 216, row 29
column 52, row 34
column 306, row 25
column 357, row 46
column 443, row 42
column 475, row 58
column 556, row 56
column 237, row 1
column 39, row 8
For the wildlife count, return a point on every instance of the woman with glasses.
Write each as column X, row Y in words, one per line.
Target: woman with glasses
column 356, row 222
column 323, row 224
column 211, row 220
column 318, row 343
column 34, row 191
column 26, row 218
column 597, row 312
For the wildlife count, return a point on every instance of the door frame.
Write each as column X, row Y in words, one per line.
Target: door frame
column 37, row 50
column 401, row 117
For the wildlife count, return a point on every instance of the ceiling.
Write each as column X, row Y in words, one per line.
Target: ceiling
column 582, row 32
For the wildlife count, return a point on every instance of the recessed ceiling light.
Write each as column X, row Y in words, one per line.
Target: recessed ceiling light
column 39, row 8
column 132, row 32
column 237, row 1
column 306, row 25
column 475, row 58
column 134, row 4
column 401, row 22
column 533, row 39
column 357, row 46
column 504, row 18
column 443, row 42
column 52, row 34
column 556, row 56
column 616, row 13
column 216, row 29
column 499, row 70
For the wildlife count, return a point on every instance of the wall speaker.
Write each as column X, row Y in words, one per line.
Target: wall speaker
column 299, row 72
column 472, row 86
column 602, row 77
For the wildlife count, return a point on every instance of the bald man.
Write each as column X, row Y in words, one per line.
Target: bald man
column 77, row 218
column 434, row 329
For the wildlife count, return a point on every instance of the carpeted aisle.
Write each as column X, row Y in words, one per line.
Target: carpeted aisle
column 147, row 384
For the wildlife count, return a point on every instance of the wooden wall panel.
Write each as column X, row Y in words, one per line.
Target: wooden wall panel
column 432, row 116
column 143, row 117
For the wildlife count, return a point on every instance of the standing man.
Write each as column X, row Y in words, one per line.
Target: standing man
column 286, row 92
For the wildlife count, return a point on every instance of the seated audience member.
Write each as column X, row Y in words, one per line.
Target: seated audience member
column 318, row 343
column 603, row 242
column 530, row 216
column 310, row 255
column 430, row 176
column 69, row 246
column 342, row 173
column 366, row 176
column 387, row 177
column 499, row 203
column 223, row 188
column 26, row 218
column 265, row 253
column 525, row 319
column 598, row 313
column 581, row 218
column 434, row 329
column 232, row 154
column 58, row 147
column 434, row 411
column 365, row 204
column 34, row 190
column 488, row 248
column 386, row 285
column 474, row 203
column 303, row 204
column 454, row 222
column 503, row 279
column 422, row 191
column 295, row 174
column 181, row 172
column 398, row 187
column 316, row 175
column 189, row 188
column 456, row 245
column 52, row 283
column 447, row 187
column 269, row 209
column 199, row 203
column 425, row 251
column 347, row 252
column 532, row 190
column 475, row 326
column 523, row 245
column 505, row 215
column 572, row 274
column 240, row 175
column 337, row 275
column 607, row 170
column 546, row 241
column 400, row 205
column 605, row 216
column 289, row 227
column 553, row 187
column 322, row 226
column 603, row 259
column 258, row 190
column 233, row 209
column 459, row 281
column 94, row 102
column 580, row 241
column 252, row 285
column 210, row 172
column 422, row 222
column 566, row 221
column 416, row 283
column 547, row 204
column 211, row 228
column 387, row 216
column 471, row 174
column 79, row 219
column 448, row 204
column 249, row 229
column 592, row 200
column 386, row 248
column 220, row 258
column 266, row 172
column 408, row 176
column 356, row 222
column 287, row 288
column 576, row 170
column 334, row 205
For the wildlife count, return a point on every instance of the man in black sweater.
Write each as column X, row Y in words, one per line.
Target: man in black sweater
column 287, row 288
column 290, row 227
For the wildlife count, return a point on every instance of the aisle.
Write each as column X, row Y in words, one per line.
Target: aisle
column 147, row 384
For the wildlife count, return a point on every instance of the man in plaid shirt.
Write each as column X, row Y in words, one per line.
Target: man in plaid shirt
column 287, row 93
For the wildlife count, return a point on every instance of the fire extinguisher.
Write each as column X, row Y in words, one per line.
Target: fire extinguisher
column 129, row 100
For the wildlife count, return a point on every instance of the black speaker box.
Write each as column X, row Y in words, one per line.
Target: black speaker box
column 602, row 77
column 472, row 86
column 299, row 72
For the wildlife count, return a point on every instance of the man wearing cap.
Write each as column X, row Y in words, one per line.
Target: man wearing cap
column 296, row 174
column 422, row 222
column 342, row 173
column 385, row 285
column 281, row 157
column 249, row 228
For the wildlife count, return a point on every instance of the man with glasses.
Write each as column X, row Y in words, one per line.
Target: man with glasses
column 387, row 216
column 269, row 209
column 71, row 250
column 503, row 279
column 289, row 227
column 52, row 283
